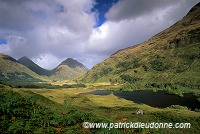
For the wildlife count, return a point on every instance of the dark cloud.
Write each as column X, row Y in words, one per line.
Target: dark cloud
column 23, row 15
column 130, row 9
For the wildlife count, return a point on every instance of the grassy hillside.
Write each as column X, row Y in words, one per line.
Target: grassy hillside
column 172, row 57
column 12, row 70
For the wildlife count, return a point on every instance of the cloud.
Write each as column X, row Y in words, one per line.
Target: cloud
column 131, row 9
column 47, row 60
column 36, row 28
column 49, row 31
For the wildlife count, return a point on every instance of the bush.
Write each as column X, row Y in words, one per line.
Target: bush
column 73, row 85
column 134, row 63
column 129, row 78
column 158, row 65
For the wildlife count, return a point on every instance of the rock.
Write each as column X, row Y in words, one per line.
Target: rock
column 139, row 111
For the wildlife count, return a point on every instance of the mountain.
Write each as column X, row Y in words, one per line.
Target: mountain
column 12, row 70
column 69, row 69
column 34, row 67
column 66, row 70
column 79, row 67
column 170, row 57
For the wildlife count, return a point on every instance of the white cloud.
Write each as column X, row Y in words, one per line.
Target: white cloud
column 47, row 61
column 112, row 35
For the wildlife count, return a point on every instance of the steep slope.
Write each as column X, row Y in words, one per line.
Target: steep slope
column 170, row 57
column 68, row 69
column 12, row 70
column 34, row 67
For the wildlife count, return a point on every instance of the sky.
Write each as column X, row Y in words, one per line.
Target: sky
column 50, row 31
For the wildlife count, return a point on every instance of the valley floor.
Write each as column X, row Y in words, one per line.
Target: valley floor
column 100, row 109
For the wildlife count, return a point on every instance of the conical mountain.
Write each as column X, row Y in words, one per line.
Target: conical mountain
column 74, row 64
column 33, row 66
column 69, row 69
column 170, row 57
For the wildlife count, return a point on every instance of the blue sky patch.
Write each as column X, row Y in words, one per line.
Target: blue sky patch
column 2, row 41
column 102, row 7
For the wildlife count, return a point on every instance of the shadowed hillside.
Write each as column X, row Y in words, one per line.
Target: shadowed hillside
column 34, row 67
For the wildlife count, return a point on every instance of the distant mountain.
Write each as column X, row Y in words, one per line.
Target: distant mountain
column 33, row 66
column 66, row 70
column 25, row 70
column 69, row 69
column 74, row 64
column 12, row 70
column 171, row 56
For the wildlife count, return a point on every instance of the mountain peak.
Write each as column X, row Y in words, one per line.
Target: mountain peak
column 25, row 61
column 69, row 69
column 32, row 66
column 24, row 57
column 71, row 63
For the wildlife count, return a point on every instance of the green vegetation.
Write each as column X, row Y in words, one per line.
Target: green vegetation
column 25, row 111
column 18, row 76
column 198, row 99
column 129, row 78
column 22, row 84
column 134, row 63
column 31, row 114
column 158, row 65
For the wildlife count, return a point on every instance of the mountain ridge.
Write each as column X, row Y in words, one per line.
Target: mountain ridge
column 25, row 69
column 67, row 69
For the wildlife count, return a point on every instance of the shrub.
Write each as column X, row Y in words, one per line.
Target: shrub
column 130, row 79
column 157, row 65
